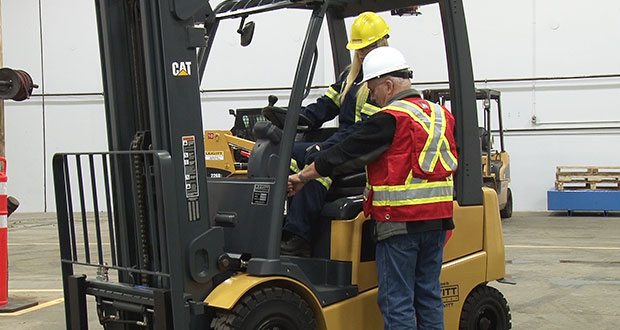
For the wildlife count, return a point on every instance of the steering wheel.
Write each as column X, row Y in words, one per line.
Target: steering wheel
column 277, row 116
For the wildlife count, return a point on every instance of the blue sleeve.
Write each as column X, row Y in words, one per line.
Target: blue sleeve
column 367, row 142
column 336, row 138
column 326, row 107
column 340, row 135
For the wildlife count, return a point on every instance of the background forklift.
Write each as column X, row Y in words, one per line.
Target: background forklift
column 167, row 247
column 495, row 163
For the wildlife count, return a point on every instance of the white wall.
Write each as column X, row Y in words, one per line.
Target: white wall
column 56, row 42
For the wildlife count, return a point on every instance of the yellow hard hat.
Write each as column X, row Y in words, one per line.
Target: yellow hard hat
column 367, row 28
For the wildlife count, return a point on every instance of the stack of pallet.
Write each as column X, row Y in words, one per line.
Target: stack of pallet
column 585, row 188
column 587, row 177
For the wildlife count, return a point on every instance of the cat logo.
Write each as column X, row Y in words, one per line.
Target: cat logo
column 181, row 69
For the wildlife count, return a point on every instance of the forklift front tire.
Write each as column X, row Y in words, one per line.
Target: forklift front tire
column 485, row 309
column 266, row 309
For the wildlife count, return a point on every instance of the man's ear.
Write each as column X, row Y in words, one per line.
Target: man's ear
column 389, row 84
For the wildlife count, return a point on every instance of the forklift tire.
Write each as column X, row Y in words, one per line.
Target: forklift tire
column 506, row 212
column 268, row 308
column 485, row 309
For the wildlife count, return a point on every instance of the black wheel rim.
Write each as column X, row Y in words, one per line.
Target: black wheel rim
column 489, row 317
column 276, row 322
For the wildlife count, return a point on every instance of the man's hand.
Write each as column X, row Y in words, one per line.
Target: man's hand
column 311, row 153
column 295, row 183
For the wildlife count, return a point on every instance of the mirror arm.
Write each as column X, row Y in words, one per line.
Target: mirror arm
column 240, row 29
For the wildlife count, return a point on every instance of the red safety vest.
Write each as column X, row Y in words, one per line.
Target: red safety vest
column 412, row 180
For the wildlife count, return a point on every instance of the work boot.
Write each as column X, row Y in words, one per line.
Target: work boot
column 295, row 246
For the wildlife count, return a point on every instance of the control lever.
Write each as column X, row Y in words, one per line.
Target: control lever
column 272, row 99
column 275, row 115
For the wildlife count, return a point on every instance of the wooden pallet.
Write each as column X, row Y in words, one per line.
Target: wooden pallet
column 587, row 178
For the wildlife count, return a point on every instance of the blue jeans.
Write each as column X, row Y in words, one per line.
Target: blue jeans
column 409, row 290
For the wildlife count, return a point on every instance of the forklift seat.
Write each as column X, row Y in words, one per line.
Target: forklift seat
column 496, row 166
column 344, row 208
column 352, row 184
column 484, row 135
column 264, row 156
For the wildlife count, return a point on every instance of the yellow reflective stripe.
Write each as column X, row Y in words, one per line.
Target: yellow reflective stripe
column 445, row 154
column 413, row 193
column 403, row 107
column 325, row 181
column 433, row 141
column 416, row 201
column 433, row 184
column 294, row 166
column 436, row 146
column 360, row 101
column 427, row 162
column 369, row 109
column 333, row 95
column 448, row 160
column 411, row 180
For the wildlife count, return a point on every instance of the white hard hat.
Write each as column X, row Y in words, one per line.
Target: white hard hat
column 382, row 60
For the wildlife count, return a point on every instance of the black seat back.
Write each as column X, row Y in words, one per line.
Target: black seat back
column 264, row 156
column 347, row 185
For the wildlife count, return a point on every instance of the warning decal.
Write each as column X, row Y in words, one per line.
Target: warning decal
column 260, row 195
column 191, row 176
column 214, row 155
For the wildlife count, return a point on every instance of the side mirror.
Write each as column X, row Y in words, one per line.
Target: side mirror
column 246, row 32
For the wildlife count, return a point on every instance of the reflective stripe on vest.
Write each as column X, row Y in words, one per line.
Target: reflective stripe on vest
column 325, row 181
column 333, row 95
column 413, row 193
column 369, row 109
column 362, row 107
column 360, row 101
column 436, row 147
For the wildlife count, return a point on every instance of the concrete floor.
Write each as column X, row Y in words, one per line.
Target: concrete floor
column 567, row 271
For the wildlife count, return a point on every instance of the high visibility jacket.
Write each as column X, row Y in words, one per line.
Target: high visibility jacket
column 412, row 180
column 349, row 109
column 354, row 107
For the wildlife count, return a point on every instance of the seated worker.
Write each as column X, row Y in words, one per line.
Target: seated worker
column 346, row 99
column 410, row 154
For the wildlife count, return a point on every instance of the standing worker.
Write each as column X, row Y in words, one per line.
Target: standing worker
column 349, row 100
column 410, row 152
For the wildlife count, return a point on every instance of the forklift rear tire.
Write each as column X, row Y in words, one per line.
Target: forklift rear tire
column 485, row 309
column 268, row 308
column 506, row 212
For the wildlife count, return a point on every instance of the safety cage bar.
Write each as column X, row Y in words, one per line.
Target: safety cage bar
column 96, row 232
column 240, row 8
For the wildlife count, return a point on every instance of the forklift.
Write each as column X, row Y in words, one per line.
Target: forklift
column 158, row 244
column 495, row 163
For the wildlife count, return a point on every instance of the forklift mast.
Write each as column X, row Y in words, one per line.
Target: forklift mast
column 166, row 233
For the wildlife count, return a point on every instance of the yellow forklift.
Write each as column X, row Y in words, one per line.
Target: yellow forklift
column 495, row 163
column 159, row 244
